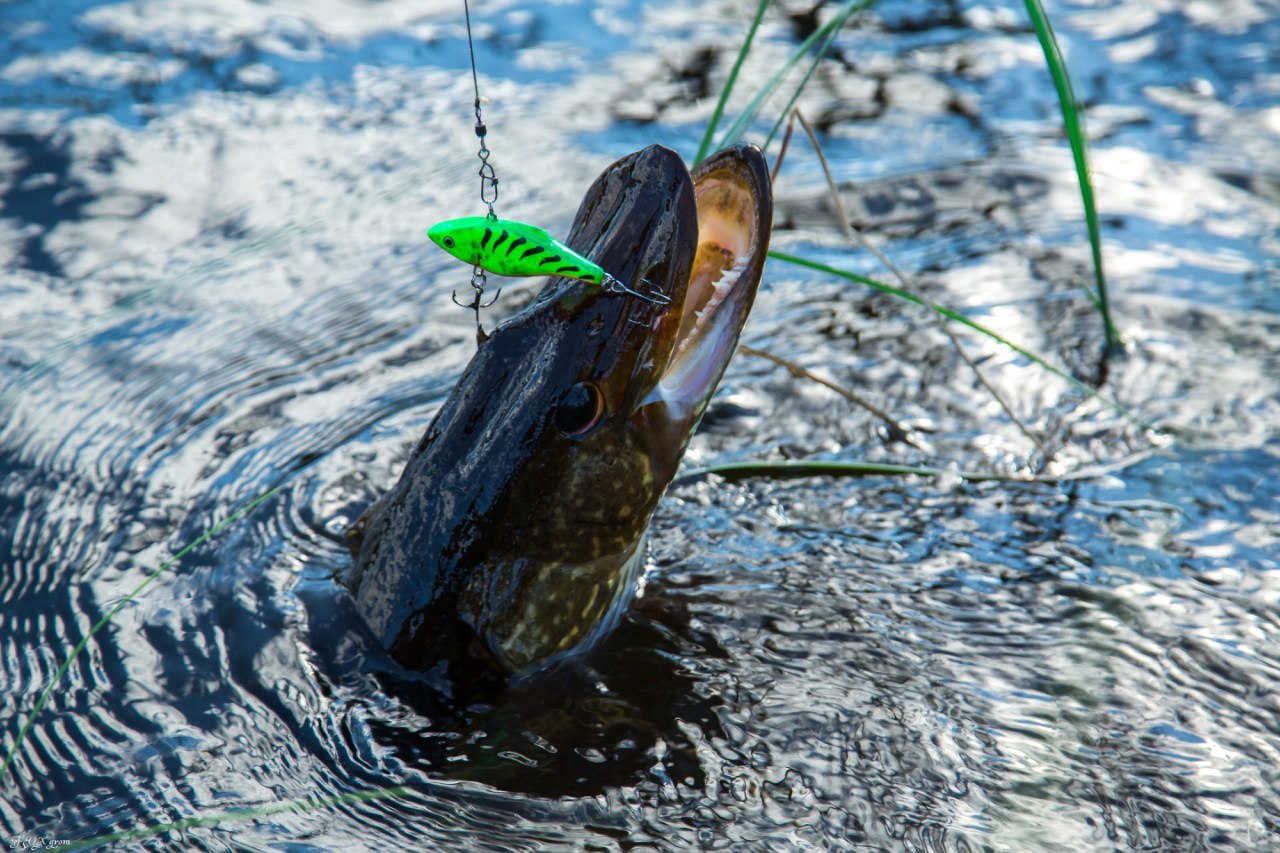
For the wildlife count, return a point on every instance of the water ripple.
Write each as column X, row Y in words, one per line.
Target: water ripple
column 197, row 314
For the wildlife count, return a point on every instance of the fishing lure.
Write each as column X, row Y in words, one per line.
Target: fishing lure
column 506, row 247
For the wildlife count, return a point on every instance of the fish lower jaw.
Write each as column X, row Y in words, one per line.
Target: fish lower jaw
column 717, row 286
column 722, row 283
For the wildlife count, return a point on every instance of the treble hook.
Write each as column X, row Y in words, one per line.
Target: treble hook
column 478, row 281
column 475, row 302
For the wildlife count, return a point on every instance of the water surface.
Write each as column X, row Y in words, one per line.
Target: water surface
column 217, row 283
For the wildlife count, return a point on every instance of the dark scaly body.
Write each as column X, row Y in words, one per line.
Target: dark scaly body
column 516, row 532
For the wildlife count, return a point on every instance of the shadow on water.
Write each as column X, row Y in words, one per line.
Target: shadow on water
column 611, row 718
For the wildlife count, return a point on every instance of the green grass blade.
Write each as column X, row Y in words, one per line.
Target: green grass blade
column 787, row 468
column 735, row 131
column 120, row 605
column 1073, row 121
column 709, row 134
column 831, row 468
column 962, row 319
column 305, row 805
column 818, row 56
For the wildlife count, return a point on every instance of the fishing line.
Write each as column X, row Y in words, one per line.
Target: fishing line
column 508, row 247
column 488, row 186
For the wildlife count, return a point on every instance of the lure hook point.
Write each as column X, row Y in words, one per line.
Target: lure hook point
column 654, row 296
column 475, row 302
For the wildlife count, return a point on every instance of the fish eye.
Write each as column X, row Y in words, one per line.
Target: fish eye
column 579, row 409
column 448, row 242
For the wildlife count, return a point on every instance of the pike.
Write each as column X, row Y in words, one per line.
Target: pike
column 517, row 533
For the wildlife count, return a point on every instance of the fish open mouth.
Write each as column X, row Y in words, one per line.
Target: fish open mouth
column 699, row 331
column 734, row 221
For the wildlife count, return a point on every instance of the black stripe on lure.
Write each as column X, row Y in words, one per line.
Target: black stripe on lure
column 506, row 247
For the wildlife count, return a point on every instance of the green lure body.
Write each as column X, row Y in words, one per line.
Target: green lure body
column 506, row 247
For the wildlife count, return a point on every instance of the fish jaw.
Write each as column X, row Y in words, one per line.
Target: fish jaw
column 735, row 220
